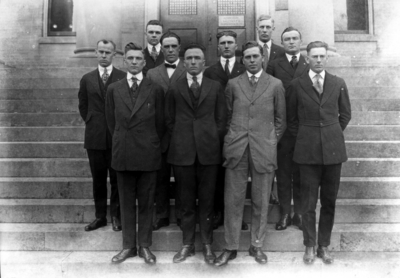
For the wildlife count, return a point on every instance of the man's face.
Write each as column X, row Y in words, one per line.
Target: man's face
column 317, row 59
column 194, row 61
column 252, row 60
column 105, row 53
column 134, row 61
column 291, row 42
column 265, row 28
column 227, row 46
column 153, row 34
column 170, row 47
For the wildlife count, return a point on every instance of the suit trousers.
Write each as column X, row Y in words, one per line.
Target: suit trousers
column 100, row 165
column 326, row 180
column 138, row 185
column 219, row 190
column 235, row 195
column 196, row 180
column 288, row 177
column 164, row 191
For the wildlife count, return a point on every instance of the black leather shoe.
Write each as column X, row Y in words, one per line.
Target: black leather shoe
column 160, row 222
column 225, row 257
column 178, row 222
column 297, row 220
column 145, row 253
column 116, row 224
column 97, row 223
column 186, row 251
column 273, row 200
column 257, row 253
column 324, row 254
column 309, row 255
column 284, row 222
column 218, row 220
column 209, row 255
column 123, row 255
column 245, row 227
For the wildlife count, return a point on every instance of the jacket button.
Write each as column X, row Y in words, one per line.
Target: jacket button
column 321, row 124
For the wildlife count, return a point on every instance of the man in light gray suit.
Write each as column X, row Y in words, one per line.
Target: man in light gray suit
column 170, row 71
column 256, row 120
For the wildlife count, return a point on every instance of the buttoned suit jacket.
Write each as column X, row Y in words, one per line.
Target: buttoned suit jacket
column 318, row 122
column 217, row 72
column 136, row 130
column 195, row 131
column 159, row 75
column 92, row 109
column 150, row 63
column 257, row 120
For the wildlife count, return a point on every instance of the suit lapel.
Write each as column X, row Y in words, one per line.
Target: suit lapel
column 329, row 87
column 123, row 91
column 164, row 74
column 245, row 86
column 237, row 69
column 301, row 67
column 143, row 95
column 184, row 91
column 94, row 78
column 273, row 53
column 220, row 71
column 306, row 84
column 180, row 69
column 262, row 85
column 205, row 89
column 286, row 66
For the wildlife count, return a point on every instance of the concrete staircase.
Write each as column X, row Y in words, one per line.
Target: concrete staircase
column 46, row 195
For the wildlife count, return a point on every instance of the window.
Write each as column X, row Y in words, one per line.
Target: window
column 60, row 18
column 351, row 16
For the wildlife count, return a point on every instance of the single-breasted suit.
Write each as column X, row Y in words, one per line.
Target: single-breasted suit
column 276, row 52
column 216, row 72
column 318, row 122
column 150, row 63
column 196, row 127
column 287, row 175
column 92, row 92
column 137, row 128
column 256, row 121
column 159, row 75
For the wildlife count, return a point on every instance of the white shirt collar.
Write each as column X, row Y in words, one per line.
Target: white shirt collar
column 174, row 63
column 289, row 56
column 258, row 74
column 139, row 77
column 190, row 78
column 150, row 47
column 312, row 74
column 269, row 43
column 232, row 61
column 109, row 69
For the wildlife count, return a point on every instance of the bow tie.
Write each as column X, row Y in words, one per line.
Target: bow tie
column 172, row 66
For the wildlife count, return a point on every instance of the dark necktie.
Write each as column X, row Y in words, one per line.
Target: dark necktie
column 134, row 86
column 227, row 72
column 105, row 76
column 266, row 56
column 172, row 66
column 154, row 53
column 253, row 81
column 317, row 83
column 195, row 88
column 294, row 61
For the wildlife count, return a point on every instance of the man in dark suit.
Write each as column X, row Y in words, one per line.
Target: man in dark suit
column 92, row 93
column 226, row 68
column 135, row 117
column 265, row 27
column 153, row 54
column 318, row 112
column 195, row 116
column 256, row 121
column 170, row 71
column 286, row 68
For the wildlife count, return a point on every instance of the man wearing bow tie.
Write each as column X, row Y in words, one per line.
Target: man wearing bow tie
column 164, row 75
column 135, row 117
column 195, row 116
column 92, row 93
column 153, row 54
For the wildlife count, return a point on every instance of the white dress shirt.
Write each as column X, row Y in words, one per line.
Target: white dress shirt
column 257, row 75
column 190, row 78
column 171, row 71
column 231, row 62
column 269, row 43
column 312, row 74
column 139, row 77
column 289, row 57
column 109, row 70
column 158, row 48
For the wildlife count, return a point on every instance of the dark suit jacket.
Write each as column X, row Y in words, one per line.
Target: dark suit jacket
column 318, row 122
column 216, row 72
column 159, row 75
column 276, row 52
column 92, row 109
column 136, row 131
column 195, row 131
column 150, row 63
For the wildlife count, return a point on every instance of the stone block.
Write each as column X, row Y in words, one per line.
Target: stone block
column 371, row 167
column 369, row 188
column 14, row 134
column 38, row 94
column 375, row 118
column 41, row 119
column 367, row 149
column 39, row 106
column 42, row 150
column 371, row 132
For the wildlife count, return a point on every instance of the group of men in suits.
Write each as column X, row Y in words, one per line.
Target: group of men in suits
column 215, row 127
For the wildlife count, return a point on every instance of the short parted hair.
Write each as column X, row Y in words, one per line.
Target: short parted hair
column 289, row 29
column 316, row 44
column 106, row 42
column 226, row 33
column 194, row 45
column 170, row 35
column 133, row 46
column 154, row 22
column 251, row 44
column 265, row 17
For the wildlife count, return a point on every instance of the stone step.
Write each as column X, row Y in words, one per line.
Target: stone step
column 72, row 237
column 82, row 211
column 375, row 105
column 97, row 264
column 81, row 188
column 79, row 167
column 74, row 119
column 367, row 149
column 371, row 132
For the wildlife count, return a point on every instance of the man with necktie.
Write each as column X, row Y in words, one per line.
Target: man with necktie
column 164, row 75
column 226, row 68
column 153, row 54
column 286, row 68
column 318, row 112
column 256, row 120
column 135, row 118
column 92, row 93
column 196, row 118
